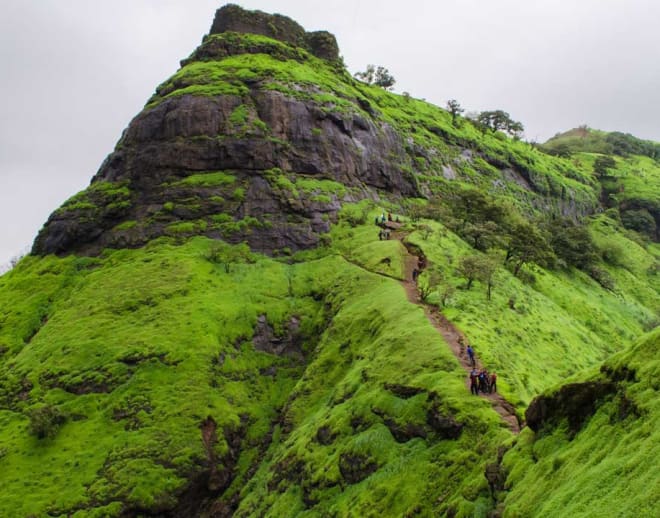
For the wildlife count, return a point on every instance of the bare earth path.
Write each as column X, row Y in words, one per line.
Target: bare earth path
column 454, row 338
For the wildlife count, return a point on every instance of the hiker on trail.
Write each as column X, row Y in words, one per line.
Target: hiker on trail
column 381, row 235
column 382, row 217
column 387, row 233
column 470, row 352
column 415, row 274
column 483, row 381
column 397, row 219
column 474, row 387
column 493, row 383
column 389, row 216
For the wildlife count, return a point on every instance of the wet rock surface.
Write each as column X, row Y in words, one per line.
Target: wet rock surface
column 575, row 402
column 192, row 135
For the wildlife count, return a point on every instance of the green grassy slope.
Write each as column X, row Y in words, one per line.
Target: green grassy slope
column 119, row 360
column 609, row 467
column 631, row 181
column 126, row 356
column 560, row 323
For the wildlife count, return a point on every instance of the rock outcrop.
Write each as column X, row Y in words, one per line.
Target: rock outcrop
column 574, row 402
column 232, row 18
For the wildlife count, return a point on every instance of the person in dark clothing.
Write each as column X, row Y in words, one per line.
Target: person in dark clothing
column 483, row 381
column 470, row 352
column 493, row 382
column 415, row 274
column 474, row 384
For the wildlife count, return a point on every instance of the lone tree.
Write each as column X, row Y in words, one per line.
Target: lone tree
column 455, row 109
column 469, row 268
column 378, row 76
column 528, row 244
column 478, row 267
column 229, row 255
column 499, row 120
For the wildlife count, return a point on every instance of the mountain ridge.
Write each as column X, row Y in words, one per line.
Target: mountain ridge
column 282, row 114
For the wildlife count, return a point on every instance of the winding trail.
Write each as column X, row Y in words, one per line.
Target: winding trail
column 454, row 338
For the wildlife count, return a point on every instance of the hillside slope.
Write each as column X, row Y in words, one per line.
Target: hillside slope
column 627, row 169
column 596, row 455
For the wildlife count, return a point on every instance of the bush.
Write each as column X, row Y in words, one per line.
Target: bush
column 45, row 421
column 602, row 277
column 354, row 215
column 612, row 254
column 227, row 255
column 640, row 221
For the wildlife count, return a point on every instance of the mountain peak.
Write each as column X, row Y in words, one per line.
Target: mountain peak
column 233, row 18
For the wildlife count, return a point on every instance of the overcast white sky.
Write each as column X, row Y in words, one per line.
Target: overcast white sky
column 74, row 72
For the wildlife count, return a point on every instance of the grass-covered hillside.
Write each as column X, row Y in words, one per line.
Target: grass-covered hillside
column 199, row 377
column 627, row 169
column 607, row 467
column 225, row 323
column 163, row 378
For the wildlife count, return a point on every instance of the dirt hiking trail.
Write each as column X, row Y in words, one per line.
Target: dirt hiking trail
column 456, row 340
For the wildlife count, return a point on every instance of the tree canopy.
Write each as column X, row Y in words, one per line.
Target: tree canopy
column 378, row 76
column 499, row 120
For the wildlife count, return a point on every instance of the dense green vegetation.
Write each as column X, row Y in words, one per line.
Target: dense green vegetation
column 608, row 468
column 627, row 169
column 595, row 141
column 132, row 375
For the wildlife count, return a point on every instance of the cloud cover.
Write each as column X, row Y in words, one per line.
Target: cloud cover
column 75, row 72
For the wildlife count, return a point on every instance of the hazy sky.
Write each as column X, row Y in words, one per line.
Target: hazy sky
column 74, row 72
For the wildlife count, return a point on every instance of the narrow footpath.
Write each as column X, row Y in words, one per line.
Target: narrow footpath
column 454, row 338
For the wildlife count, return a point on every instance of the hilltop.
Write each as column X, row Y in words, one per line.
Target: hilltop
column 224, row 323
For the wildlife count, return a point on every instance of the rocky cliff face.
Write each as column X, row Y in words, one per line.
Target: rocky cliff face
column 226, row 164
column 262, row 135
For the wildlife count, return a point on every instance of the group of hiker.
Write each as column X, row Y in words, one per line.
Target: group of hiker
column 386, row 224
column 480, row 379
column 380, row 220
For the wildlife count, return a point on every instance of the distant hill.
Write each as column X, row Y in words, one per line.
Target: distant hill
column 588, row 140
column 627, row 168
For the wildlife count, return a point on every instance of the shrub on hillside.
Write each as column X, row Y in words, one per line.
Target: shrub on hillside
column 45, row 421
column 612, row 254
column 354, row 215
column 572, row 243
column 223, row 254
column 639, row 220
column 602, row 277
